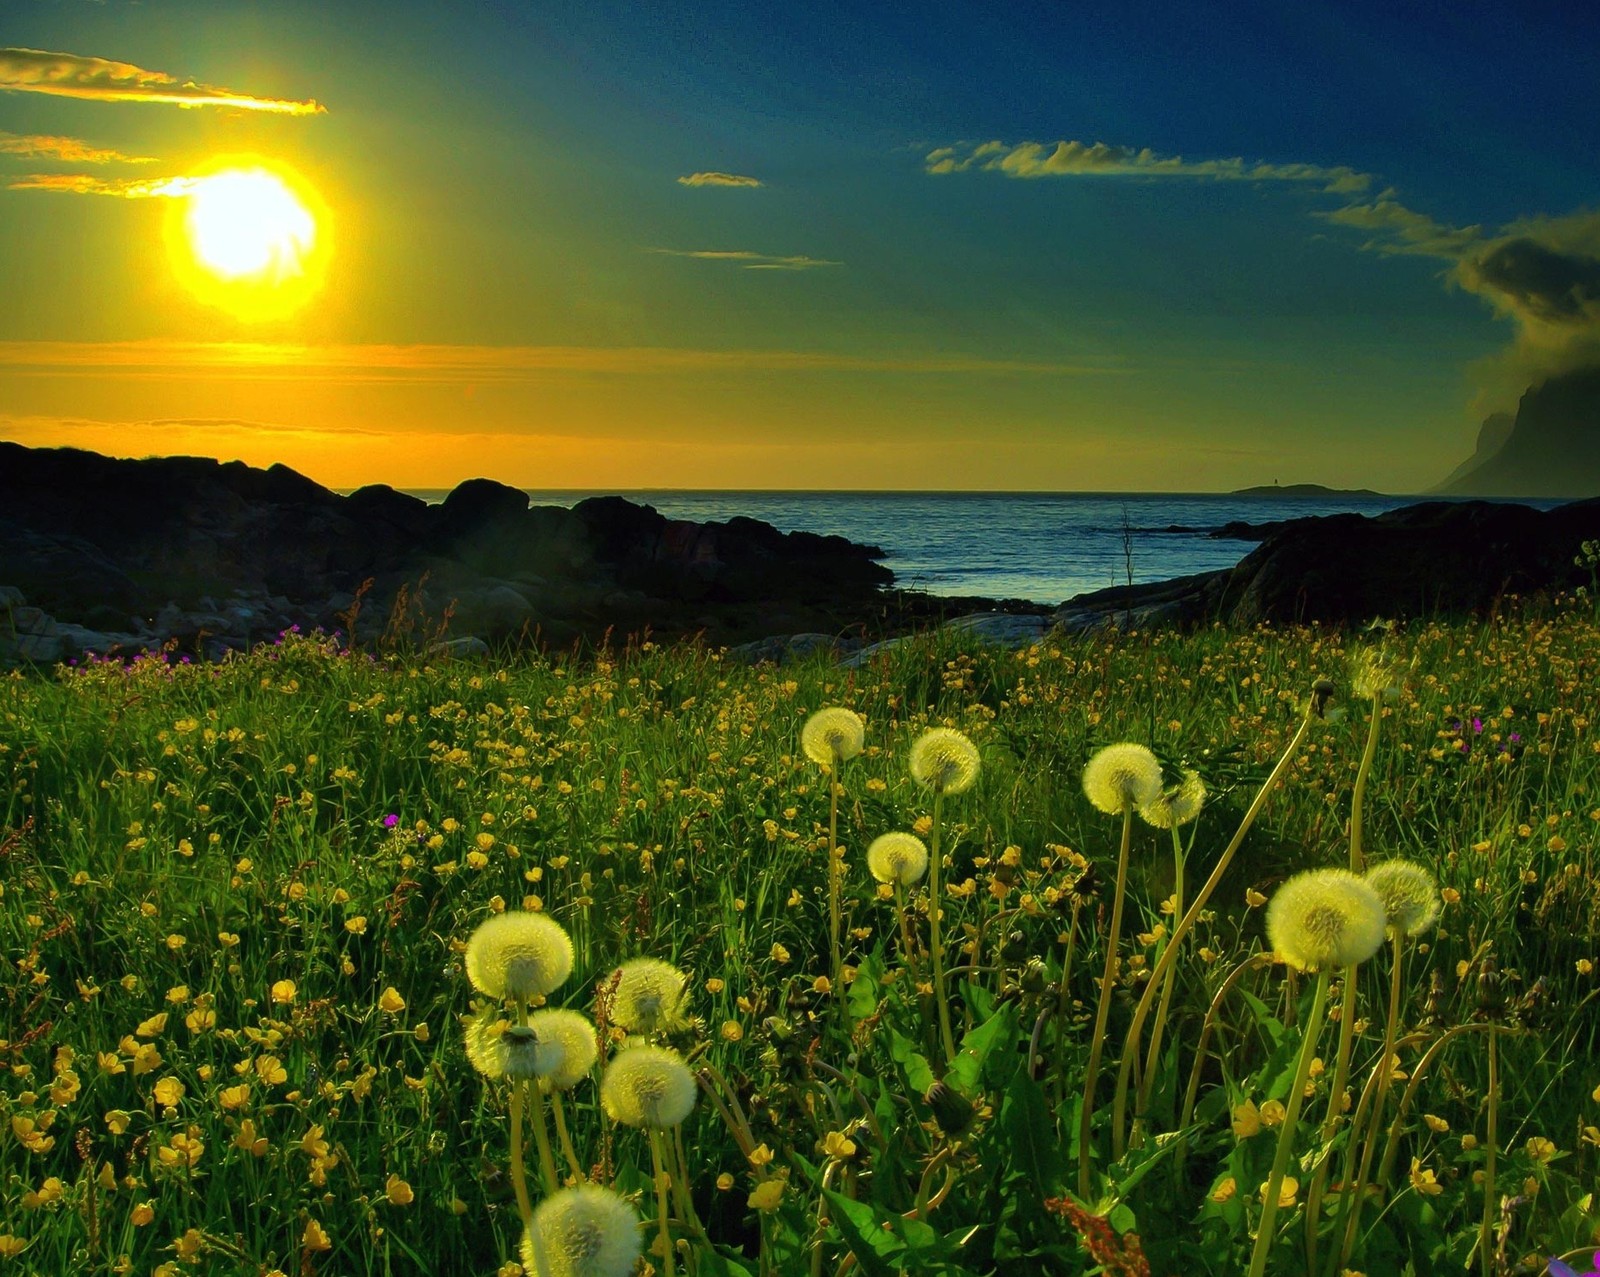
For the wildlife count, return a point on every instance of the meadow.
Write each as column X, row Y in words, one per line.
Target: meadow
column 235, row 1012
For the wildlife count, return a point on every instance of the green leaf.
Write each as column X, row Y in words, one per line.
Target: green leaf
column 1031, row 1134
column 862, row 996
column 967, row 1067
column 863, row 1232
column 1263, row 1017
column 918, row 1072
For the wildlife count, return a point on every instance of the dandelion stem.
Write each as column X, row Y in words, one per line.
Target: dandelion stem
column 907, row 951
column 1065, row 1001
column 1352, row 1200
column 835, row 869
column 1153, row 1056
column 1191, row 916
column 519, row 1175
column 1191, row 1094
column 1490, row 1147
column 1103, row 1012
column 558, row 1111
column 661, row 1200
column 1280, row 1160
column 935, row 947
column 1335, row 1114
column 1357, row 861
column 1392, row 1144
column 541, row 1138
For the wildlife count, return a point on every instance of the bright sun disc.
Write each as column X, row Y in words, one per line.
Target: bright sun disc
column 249, row 237
column 248, row 222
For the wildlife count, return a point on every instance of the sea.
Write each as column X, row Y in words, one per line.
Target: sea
column 1041, row 546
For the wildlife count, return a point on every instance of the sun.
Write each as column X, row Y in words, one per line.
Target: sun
column 248, row 222
column 250, row 238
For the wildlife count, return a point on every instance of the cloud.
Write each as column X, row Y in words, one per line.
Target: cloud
column 88, row 184
column 747, row 259
column 1398, row 229
column 74, row 75
column 266, row 361
column 718, row 179
column 1078, row 159
column 71, row 149
column 1541, row 273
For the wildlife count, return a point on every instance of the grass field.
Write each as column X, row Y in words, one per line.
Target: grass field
column 237, row 898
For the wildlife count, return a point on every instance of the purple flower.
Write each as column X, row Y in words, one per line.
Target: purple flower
column 1477, row 724
column 391, row 820
column 1559, row 1269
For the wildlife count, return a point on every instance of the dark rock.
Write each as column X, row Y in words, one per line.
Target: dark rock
column 1431, row 559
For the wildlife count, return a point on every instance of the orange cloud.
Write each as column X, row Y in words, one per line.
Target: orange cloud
column 718, row 179
column 74, row 75
column 88, row 184
column 71, row 149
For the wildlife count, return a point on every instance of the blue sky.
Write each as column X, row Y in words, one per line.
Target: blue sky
column 1030, row 246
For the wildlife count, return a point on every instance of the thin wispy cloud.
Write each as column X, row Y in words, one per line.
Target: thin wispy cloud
column 74, row 75
column 718, row 179
column 71, row 150
column 89, row 184
column 1079, row 159
column 748, row 260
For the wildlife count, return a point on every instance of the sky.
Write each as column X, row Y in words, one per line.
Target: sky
column 950, row 246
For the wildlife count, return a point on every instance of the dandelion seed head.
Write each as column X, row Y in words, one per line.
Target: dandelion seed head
column 1122, row 776
column 1410, row 896
column 1325, row 918
column 499, row 1050
column 519, row 955
column 583, row 1231
column 1176, row 805
column 898, row 858
column 833, row 735
column 1373, row 674
column 944, row 759
column 647, row 1086
column 650, row 995
column 572, row 1033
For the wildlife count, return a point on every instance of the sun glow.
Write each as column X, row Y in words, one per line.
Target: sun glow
column 250, row 239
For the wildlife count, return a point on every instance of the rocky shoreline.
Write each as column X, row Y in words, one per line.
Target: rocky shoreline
column 115, row 557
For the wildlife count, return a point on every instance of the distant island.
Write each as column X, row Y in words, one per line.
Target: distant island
column 1303, row 490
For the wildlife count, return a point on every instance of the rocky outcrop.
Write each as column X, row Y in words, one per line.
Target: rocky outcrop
column 1550, row 449
column 218, row 555
column 1436, row 558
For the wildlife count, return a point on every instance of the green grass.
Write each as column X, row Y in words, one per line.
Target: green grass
column 182, row 840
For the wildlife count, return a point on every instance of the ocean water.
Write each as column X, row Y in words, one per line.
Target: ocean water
column 1046, row 547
